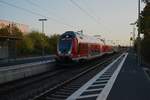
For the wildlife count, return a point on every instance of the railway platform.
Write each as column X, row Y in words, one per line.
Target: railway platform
column 123, row 79
column 23, row 68
column 17, row 61
column 132, row 83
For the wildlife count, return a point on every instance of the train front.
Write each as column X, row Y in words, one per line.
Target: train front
column 66, row 48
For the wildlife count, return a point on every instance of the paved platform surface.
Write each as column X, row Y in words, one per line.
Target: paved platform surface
column 132, row 83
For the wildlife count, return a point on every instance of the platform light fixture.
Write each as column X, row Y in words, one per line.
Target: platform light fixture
column 42, row 20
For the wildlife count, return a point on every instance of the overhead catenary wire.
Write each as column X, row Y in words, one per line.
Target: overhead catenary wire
column 46, row 10
column 24, row 9
column 39, row 7
column 91, row 11
column 85, row 11
column 32, row 3
column 36, row 13
column 91, row 14
column 99, row 19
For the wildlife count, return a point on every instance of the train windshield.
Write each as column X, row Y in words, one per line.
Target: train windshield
column 65, row 45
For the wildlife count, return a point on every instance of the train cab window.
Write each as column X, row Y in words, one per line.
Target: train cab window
column 65, row 45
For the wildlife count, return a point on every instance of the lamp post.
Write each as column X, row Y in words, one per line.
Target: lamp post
column 133, row 32
column 42, row 20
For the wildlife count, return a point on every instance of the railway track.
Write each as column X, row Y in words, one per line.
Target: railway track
column 36, row 87
column 66, row 88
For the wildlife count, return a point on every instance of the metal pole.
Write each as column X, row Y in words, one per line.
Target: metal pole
column 139, row 31
column 43, row 27
column 42, row 38
column 133, row 33
column 139, row 18
column 42, row 20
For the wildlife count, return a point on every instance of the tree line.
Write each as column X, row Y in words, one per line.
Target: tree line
column 145, row 30
column 31, row 44
column 36, row 43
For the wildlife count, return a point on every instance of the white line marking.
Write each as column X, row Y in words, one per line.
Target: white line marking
column 145, row 69
column 90, row 82
column 105, row 92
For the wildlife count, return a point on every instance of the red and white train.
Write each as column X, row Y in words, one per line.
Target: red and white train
column 75, row 46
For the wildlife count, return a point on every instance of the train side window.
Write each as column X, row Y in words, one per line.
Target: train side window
column 82, row 47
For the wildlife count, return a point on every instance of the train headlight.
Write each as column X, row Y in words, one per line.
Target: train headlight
column 69, row 52
column 59, row 52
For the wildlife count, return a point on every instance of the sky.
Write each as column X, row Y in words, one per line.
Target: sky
column 109, row 18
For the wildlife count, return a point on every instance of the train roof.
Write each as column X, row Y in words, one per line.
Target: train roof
column 83, row 38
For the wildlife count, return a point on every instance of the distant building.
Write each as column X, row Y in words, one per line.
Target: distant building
column 22, row 27
column 8, row 48
column 8, row 43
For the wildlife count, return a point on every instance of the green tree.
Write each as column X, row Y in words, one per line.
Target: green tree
column 145, row 20
column 53, row 43
column 26, row 46
column 34, row 43
column 40, row 41
column 16, row 31
column 11, row 31
column 145, row 45
column 135, row 45
column 4, row 31
column 145, row 29
column 146, row 1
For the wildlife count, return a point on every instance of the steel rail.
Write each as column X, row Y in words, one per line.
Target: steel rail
column 58, row 86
